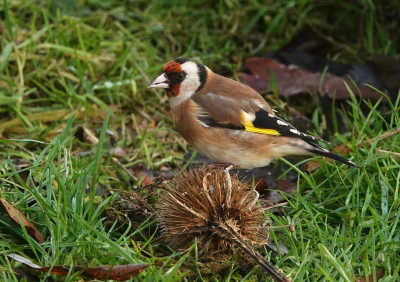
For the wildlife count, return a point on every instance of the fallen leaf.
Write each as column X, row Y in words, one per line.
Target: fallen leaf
column 117, row 152
column 283, row 250
column 286, row 186
column 292, row 80
column 146, row 127
column 23, row 175
column 282, row 185
column 379, row 275
column 24, row 260
column 313, row 165
column 16, row 216
column 360, row 74
column 118, row 273
column 261, row 186
column 147, row 176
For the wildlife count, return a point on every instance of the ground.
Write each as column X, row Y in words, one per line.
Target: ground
column 79, row 131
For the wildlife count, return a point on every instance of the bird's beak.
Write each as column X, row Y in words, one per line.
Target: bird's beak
column 160, row 82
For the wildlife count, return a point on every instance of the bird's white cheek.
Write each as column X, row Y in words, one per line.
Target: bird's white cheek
column 189, row 86
column 187, row 89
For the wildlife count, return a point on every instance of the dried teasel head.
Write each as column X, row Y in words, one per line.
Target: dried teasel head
column 213, row 206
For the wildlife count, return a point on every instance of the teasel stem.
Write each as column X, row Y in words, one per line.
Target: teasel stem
column 234, row 236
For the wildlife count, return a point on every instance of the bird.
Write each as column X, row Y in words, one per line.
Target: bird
column 229, row 122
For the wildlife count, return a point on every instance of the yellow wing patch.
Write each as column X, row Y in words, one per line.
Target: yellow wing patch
column 247, row 121
column 262, row 130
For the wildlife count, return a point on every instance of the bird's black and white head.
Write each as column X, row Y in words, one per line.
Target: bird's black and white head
column 181, row 78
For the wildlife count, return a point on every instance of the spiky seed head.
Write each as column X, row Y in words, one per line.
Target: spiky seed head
column 199, row 203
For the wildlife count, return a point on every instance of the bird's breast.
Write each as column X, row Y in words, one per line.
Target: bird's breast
column 186, row 122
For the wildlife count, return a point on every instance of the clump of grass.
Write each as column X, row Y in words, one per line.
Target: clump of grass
column 59, row 197
column 347, row 219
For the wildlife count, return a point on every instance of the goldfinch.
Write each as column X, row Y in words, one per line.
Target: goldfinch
column 228, row 121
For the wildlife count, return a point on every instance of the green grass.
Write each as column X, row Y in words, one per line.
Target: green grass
column 95, row 58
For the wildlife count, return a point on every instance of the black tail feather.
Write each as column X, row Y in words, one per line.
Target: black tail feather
column 323, row 152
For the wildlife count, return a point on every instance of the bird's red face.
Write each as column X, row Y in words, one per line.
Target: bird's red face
column 180, row 77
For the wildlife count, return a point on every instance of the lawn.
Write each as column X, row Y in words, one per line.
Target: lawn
column 80, row 136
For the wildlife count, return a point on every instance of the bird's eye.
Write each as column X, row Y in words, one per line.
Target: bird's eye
column 180, row 75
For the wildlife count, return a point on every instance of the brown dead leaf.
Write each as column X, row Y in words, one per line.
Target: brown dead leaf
column 146, row 127
column 379, row 275
column 343, row 149
column 144, row 174
column 23, row 175
column 292, row 80
column 146, row 181
column 117, row 152
column 283, row 185
column 16, row 216
column 286, row 186
column 283, row 250
column 118, row 273
column 313, row 165
column 261, row 186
